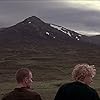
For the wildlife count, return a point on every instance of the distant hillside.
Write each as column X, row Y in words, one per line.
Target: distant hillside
column 35, row 31
column 42, row 44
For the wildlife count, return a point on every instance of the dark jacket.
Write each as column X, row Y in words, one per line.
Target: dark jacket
column 22, row 94
column 76, row 91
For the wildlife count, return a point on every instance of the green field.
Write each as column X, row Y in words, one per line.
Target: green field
column 51, row 67
column 47, row 80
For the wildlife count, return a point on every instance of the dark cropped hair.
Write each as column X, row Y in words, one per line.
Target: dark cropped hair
column 21, row 74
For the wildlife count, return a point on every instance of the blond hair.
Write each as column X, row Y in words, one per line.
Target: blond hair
column 80, row 71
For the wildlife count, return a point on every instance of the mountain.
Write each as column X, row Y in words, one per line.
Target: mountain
column 95, row 39
column 33, row 30
column 35, row 42
column 50, row 51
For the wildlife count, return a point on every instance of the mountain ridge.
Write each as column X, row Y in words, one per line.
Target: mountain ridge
column 35, row 26
column 34, row 38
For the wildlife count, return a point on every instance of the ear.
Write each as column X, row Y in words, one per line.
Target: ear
column 26, row 80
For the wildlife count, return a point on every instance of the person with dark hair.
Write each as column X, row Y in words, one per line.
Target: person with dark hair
column 23, row 90
column 80, row 88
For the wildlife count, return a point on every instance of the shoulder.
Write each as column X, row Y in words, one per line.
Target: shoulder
column 31, row 92
column 22, row 92
column 66, row 85
column 94, row 94
column 92, row 90
column 7, row 95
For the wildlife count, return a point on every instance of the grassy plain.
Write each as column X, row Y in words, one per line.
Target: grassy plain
column 51, row 67
column 47, row 79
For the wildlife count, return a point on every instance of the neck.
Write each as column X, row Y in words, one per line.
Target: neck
column 83, row 82
column 20, row 85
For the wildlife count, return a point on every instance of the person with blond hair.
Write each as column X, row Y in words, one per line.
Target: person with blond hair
column 79, row 89
column 23, row 90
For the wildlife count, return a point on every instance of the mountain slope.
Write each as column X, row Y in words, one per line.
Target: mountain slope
column 33, row 30
column 44, row 44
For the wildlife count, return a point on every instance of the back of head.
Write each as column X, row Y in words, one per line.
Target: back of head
column 21, row 74
column 80, row 71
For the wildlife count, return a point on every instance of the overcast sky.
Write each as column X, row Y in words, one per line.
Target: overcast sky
column 82, row 16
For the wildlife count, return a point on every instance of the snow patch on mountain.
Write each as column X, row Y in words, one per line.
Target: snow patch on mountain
column 29, row 22
column 61, row 29
column 47, row 33
column 69, row 33
column 80, row 35
column 54, row 37
column 77, row 38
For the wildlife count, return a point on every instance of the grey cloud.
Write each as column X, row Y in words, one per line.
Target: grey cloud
column 75, row 18
column 52, row 12
column 30, row 0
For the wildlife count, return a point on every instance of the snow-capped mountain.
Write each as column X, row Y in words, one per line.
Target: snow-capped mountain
column 34, row 30
column 71, row 34
column 45, row 41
